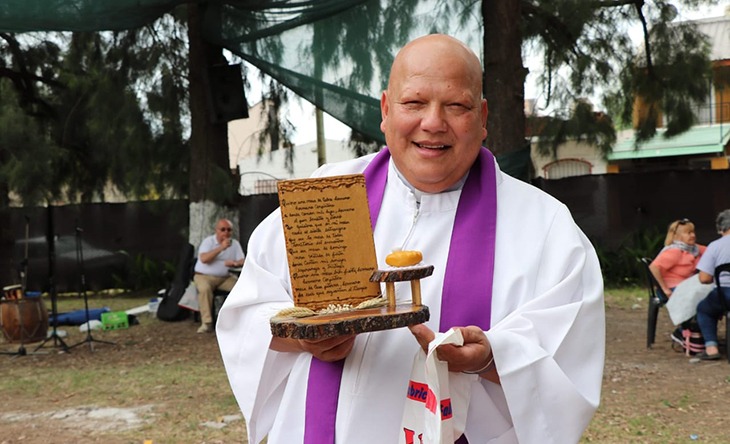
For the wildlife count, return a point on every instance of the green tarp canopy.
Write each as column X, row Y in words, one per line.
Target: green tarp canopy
column 334, row 53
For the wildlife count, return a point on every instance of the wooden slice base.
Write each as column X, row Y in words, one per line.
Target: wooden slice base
column 400, row 274
column 350, row 322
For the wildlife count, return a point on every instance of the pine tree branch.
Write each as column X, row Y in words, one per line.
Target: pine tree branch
column 23, row 80
column 647, row 45
column 638, row 5
column 569, row 39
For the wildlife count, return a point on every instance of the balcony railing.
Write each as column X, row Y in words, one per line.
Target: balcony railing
column 709, row 114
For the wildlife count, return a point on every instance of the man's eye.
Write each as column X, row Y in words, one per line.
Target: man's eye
column 458, row 108
column 412, row 105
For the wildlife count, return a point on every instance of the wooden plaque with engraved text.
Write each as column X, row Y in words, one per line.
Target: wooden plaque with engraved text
column 331, row 254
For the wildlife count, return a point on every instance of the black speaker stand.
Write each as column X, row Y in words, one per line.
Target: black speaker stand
column 82, row 291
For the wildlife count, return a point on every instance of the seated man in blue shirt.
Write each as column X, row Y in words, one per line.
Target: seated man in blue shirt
column 711, row 308
column 216, row 254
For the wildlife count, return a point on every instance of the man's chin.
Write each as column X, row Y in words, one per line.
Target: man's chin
column 432, row 185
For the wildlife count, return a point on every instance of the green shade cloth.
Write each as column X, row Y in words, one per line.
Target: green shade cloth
column 698, row 140
column 334, row 53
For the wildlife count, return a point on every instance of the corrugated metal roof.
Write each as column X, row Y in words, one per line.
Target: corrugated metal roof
column 698, row 140
column 718, row 30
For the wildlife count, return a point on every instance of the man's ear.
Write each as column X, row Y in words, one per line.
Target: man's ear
column 485, row 113
column 383, row 110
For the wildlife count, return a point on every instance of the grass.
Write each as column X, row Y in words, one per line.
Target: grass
column 626, row 298
column 648, row 396
column 174, row 374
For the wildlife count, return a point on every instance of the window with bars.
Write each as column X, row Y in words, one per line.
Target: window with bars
column 567, row 168
column 265, row 186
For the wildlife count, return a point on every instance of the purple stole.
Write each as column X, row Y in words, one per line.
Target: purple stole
column 467, row 292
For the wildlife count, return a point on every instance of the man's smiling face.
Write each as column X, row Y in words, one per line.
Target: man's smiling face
column 434, row 118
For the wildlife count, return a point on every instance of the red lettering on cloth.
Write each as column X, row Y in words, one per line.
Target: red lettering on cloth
column 446, row 410
column 410, row 436
column 417, row 391
column 431, row 401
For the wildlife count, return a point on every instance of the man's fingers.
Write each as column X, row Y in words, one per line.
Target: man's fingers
column 473, row 334
column 473, row 354
column 338, row 352
column 329, row 342
column 329, row 349
column 423, row 335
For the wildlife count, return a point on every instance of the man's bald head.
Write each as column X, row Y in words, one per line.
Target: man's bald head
column 434, row 48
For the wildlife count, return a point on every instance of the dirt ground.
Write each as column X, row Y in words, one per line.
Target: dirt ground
column 649, row 396
column 157, row 383
column 658, row 395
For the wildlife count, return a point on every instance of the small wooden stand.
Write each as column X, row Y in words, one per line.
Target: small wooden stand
column 413, row 274
column 360, row 321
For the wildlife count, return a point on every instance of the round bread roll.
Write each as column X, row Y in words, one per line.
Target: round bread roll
column 403, row 258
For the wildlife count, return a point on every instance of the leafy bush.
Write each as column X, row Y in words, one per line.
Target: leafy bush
column 145, row 273
column 621, row 267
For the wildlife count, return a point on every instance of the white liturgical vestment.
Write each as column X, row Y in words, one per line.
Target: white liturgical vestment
column 547, row 325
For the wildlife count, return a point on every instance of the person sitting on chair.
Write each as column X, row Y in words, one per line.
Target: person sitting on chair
column 710, row 309
column 678, row 259
column 216, row 254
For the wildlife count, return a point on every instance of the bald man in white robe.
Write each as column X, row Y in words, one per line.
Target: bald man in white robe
column 540, row 360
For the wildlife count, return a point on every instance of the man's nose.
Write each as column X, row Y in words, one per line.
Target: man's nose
column 433, row 119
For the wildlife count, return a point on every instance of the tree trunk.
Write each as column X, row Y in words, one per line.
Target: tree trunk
column 208, row 140
column 211, row 181
column 321, row 140
column 504, row 75
column 4, row 186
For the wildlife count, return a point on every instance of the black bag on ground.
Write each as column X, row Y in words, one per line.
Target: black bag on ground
column 169, row 310
column 687, row 338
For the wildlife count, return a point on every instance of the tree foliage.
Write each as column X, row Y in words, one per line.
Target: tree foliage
column 586, row 51
column 86, row 111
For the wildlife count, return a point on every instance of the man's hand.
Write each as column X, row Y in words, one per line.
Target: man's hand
column 475, row 354
column 225, row 243
column 328, row 349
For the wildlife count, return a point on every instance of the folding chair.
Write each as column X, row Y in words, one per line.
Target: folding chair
column 721, row 294
column 657, row 299
column 169, row 310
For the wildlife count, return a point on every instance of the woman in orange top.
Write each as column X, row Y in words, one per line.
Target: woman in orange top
column 678, row 259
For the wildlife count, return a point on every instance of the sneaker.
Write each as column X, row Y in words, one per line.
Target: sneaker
column 205, row 328
column 705, row 357
column 677, row 336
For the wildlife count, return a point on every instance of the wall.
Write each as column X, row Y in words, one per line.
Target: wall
column 271, row 165
column 569, row 150
column 110, row 236
column 609, row 208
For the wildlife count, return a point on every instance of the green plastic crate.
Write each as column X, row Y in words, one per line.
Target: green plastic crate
column 115, row 320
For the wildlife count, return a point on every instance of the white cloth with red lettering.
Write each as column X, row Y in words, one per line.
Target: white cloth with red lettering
column 437, row 400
